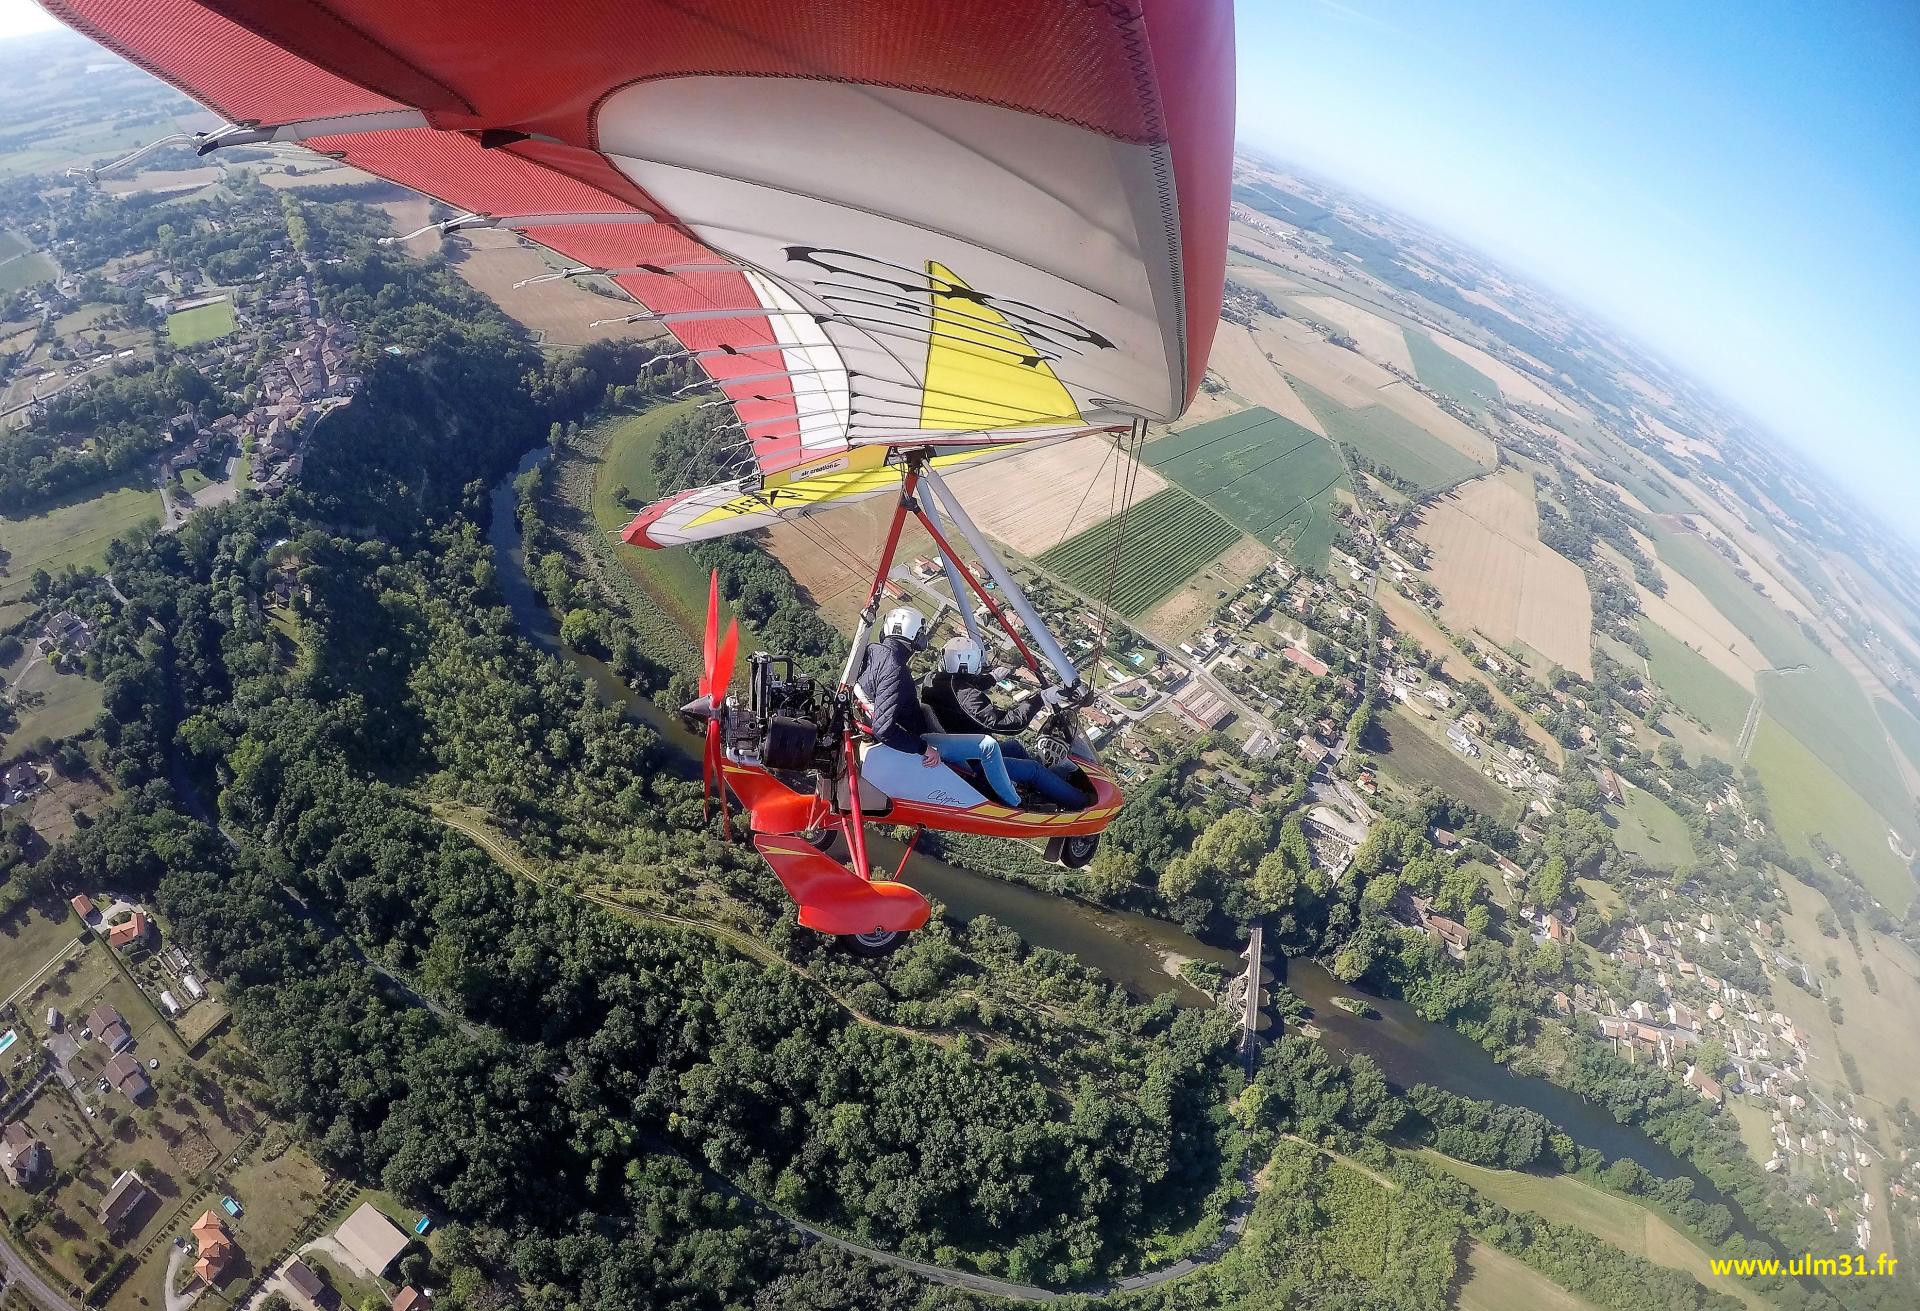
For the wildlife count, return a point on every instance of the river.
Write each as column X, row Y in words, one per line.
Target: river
column 1139, row 952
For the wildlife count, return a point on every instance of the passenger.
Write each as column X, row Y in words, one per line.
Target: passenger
column 959, row 697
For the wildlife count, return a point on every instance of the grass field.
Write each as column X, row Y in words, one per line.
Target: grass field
column 68, row 703
column 75, row 532
column 24, row 270
column 1495, row 1281
column 1413, row 756
column 1650, row 829
column 1265, row 474
column 1903, row 726
column 1702, row 691
column 1448, row 374
column 1167, row 537
column 670, row 578
column 1390, row 439
column 1619, row 1221
column 1808, row 798
column 11, row 244
column 30, row 936
column 202, row 323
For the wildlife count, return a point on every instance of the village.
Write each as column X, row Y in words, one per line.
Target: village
column 134, row 1171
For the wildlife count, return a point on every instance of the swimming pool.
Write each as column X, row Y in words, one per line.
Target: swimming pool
column 7, row 1039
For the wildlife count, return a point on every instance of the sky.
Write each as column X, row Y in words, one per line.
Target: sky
column 1736, row 185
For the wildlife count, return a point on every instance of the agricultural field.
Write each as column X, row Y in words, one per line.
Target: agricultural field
column 1903, row 727
column 1390, row 439
column 30, row 936
column 25, row 269
column 1036, row 500
column 1808, row 798
column 1162, row 541
column 75, row 532
column 557, row 313
column 1238, row 358
column 1493, row 1281
column 1378, row 338
column 11, row 244
column 1406, row 618
column 1267, row 475
column 1650, row 829
column 623, row 482
column 1695, row 685
column 1619, row 1221
column 1411, row 754
column 1448, row 374
column 202, row 323
column 1187, row 609
column 1495, row 576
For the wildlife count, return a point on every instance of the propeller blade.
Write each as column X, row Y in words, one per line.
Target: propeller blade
column 710, row 649
column 723, row 666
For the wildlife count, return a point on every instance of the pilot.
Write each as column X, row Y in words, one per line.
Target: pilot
column 958, row 694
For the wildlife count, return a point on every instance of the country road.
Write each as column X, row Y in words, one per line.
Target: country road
column 21, row 1274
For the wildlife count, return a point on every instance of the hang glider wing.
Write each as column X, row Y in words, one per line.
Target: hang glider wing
column 873, row 222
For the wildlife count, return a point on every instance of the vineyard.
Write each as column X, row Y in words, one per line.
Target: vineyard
column 1167, row 538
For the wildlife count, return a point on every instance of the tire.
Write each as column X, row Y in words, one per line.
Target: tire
column 1077, row 852
column 822, row 839
column 882, row 942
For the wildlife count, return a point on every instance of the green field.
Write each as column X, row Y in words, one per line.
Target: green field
column 1448, row 374
column 1813, row 697
column 202, row 323
column 1904, row 728
column 1694, row 684
column 1650, row 829
column 1414, row 756
column 1494, row 1281
column 11, row 244
column 1267, row 475
column 670, row 579
column 25, row 270
column 73, row 533
column 71, row 704
column 1807, row 798
column 1612, row 1219
column 1167, row 538
column 1390, row 439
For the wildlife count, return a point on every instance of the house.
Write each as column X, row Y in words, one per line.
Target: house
column 109, row 1028
column 129, row 931
column 23, row 1157
column 83, row 906
column 124, row 1073
column 128, row 1194
column 217, row 1251
column 410, row 1299
column 372, row 1241
column 20, row 780
column 1611, row 787
column 1310, row 663
column 1462, row 739
column 1704, row 1084
column 306, row 1286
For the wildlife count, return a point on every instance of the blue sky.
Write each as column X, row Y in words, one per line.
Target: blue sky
column 1736, row 185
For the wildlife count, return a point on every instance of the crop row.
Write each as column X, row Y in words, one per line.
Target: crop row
column 1168, row 537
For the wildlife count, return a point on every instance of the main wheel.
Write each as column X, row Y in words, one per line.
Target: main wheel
column 878, row 943
column 822, row 839
column 1077, row 852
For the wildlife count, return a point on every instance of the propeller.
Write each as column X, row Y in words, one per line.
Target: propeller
column 716, row 675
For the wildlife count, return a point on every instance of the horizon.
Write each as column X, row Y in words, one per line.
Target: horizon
column 1665, row 244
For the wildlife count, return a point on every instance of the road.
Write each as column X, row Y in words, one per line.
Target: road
column 22, row 1275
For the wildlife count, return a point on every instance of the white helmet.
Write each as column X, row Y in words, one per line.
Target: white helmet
column 904, row 621
column 961, row 655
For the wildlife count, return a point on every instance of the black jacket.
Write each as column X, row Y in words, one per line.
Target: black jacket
column 886, row 682
column 960, row 702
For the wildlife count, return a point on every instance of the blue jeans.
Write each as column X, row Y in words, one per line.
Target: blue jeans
column 1004, row 765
